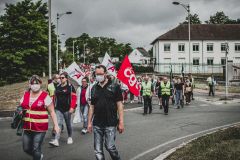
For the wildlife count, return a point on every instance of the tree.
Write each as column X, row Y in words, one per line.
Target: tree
column 218, row 18
column 194, row 19
column 96, row 47
column 221, row 18
column 24, row 40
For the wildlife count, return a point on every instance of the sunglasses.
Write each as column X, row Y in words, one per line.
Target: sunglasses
column 62, row 77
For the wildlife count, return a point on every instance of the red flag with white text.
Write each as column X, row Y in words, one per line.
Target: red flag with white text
column 127, row 76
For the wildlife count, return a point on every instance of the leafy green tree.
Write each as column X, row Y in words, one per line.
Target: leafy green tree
column 96, row 47
column 194, row 19
column 218, row 18
column 24, row 40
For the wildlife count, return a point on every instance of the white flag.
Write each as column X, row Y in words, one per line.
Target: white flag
column 107, row 62
column 75, row 73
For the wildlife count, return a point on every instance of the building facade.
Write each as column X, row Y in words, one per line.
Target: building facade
column 139, row 56
column 207, row 48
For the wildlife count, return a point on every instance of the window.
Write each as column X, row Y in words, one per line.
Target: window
column 223, row 47
column 195, row 61
column 210, row 61
column 210, row 47
column 237, row 47
column 196, row 47
column 181, row 47
column 167, row 60
column 181, row 60
column 167, row 47
column 223, row 61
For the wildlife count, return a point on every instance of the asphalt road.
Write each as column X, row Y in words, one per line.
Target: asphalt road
column 142, row 134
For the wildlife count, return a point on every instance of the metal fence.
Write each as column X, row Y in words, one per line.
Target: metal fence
column 185, row 68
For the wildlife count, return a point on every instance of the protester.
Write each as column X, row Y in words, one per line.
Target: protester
column 191, row 79
column 65, row 103
column 165, row 91
column 105, row 114
column 148, row 90
column 158, row 93
column 211, row 83
column 53, row 85
column 125, row 91
column 83, row 97
column 140, row 98
column 188, row 90
column 37, row 104
column 178, row 92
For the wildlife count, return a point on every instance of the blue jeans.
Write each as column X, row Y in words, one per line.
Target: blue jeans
column 32, row 142
column 84, row 111
column 67, row 117
column 108, row 136
column 178, row 97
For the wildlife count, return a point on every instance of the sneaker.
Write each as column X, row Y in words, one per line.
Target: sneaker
column 70, row 140
column 84, row 131
column 41, row 157
column 54, row 142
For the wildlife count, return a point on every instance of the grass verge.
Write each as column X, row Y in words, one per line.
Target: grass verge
column 221, row 145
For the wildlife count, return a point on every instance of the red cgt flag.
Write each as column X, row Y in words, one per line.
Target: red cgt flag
column 128, row 77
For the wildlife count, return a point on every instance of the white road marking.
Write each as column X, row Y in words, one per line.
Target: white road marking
column 177, row 139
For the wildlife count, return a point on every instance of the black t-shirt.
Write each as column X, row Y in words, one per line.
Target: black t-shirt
column 105, row 104
column 63, row 97
column 179, row 86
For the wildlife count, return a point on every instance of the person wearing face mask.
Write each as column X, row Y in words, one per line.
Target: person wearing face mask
column 148, row 90
column 105, row 114
column 82, row 103
column 165, row 91
column 37, row 104
column 65, row 104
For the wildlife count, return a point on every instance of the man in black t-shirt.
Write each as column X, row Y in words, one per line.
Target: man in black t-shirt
column 105, row 114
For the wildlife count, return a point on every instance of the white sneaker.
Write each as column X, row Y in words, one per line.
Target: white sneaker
column 84, row 131
column 41, row 157
column 54, row 142
column 69, row 140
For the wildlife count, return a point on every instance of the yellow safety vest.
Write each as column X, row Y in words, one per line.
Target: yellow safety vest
column 147, row 88
column 51, row 89
column 165, row 89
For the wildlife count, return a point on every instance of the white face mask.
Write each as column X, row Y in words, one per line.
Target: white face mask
column 100, row 78
column 35, row 87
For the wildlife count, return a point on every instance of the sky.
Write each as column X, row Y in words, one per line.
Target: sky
column 137, row 22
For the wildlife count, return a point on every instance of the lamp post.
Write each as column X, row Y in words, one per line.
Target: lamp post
column 187, row 7
column 84, row 52
column 226, row 70
column 49, row 41
column 59, row 15
column 73, row 49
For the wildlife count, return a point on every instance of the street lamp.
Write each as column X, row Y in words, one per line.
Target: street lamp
column 73, row 49
column 187, row 7
column 59, row 15
column 49, row 41
column 226, row 70
column 84, row 50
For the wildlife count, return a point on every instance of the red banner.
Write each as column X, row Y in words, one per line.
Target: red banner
column 128, row 77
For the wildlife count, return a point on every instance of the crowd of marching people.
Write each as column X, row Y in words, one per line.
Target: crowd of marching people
column 97, row 103
column 178, row 90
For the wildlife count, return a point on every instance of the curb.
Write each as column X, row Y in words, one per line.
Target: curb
column 169, row 152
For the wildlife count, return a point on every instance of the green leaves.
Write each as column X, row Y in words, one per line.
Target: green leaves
column 95, row 47
column 24, row 40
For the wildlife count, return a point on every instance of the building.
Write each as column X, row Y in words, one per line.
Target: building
column 207, row 48
column 139, row 56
